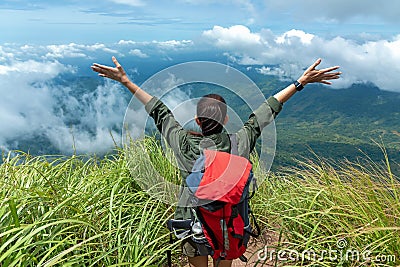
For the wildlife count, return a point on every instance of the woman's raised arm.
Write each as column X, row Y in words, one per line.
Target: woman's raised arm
column 118, row 74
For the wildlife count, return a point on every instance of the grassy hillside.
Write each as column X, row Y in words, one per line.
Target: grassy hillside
column 75, row 211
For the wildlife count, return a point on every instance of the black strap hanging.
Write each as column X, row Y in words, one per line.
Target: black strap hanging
column 169, row 250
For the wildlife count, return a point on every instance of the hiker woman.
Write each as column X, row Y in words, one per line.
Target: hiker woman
column 211, row 117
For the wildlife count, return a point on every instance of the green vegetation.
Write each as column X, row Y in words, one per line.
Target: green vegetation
column 75, row 211
column 71, row 211
column 330, row 214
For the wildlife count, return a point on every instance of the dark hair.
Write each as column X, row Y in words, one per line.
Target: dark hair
column 211, row 112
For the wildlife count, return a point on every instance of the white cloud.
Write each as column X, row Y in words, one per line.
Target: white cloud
column 160, row 46
column 25, row 101
column 173, row 44
column 126, row 42
column 5, row 55
column 237, row 37
column 32, row 70
column 271, row 71
column 374, row 61
column 98, row 113
column 98, row 46
column 31, row 105
column 305, row 38
column 73, row 50
column 61, row 51
column 138, row 53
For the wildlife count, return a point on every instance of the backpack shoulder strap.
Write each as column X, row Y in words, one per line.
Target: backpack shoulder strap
column 234, row 144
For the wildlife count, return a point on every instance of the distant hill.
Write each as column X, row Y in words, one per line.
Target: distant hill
column 339, row 124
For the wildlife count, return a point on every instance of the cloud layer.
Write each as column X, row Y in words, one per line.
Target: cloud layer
column 33, row 106
column 368, row 61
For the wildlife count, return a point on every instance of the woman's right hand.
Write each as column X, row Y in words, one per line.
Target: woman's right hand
column 118, row 73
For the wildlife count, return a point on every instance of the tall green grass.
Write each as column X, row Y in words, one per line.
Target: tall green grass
column 330, row 214
column 72, row 211
column 79, row 211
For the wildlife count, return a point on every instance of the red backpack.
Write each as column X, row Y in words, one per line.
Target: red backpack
column 219, row 185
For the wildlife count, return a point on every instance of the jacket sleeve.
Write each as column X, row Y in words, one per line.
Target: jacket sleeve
column 260, row 118
column 166, row 123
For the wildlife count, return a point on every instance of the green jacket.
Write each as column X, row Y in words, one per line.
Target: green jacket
column 187, row 147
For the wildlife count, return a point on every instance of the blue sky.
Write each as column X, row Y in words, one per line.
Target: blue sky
column 44, row 39
column 105, row 21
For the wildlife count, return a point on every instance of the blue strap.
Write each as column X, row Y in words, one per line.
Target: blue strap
column 234, row 144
